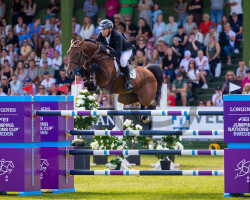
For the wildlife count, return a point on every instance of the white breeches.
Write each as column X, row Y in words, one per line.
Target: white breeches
column 125, row 56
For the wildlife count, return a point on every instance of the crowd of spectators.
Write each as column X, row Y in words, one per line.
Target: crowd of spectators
column 187, row 48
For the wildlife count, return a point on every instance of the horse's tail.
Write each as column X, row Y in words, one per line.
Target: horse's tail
column 156, row 70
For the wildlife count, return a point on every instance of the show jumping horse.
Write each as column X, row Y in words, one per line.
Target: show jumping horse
column 85, row 56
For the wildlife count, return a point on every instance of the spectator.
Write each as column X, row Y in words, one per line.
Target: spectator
column 42, row 91
column 13, row 53
column 209, row 102
column 2, row 10
column 12, row 38
column 143, row 29
column 157, row 11
column 217, row 97
column 48, row 49
column 204, row 26
column 16, row 86
column 144, row 7
column 212, row 31
column 159, row 28
column 65, row 63
column 195, row 8
column 201, row 103
column 97, row 29
column 117, row 21
column 162, row 47
column 193, row 75
column 183, row 37
column 126, row 8
column 16, row 11
column 19, row 25
column 217, row 7
column 237, row 26
column 5, row 56
column 213, row 53
column 241, row 70
column 170, row 63
column 23, row 36
column 148, row 51
column 171, row 30
column 47, row 82
column 56, row 62
column 34, row 57
column 104, row 102
column 181, row 8
column 5, row 26
column 179, row 87
column 156, row 59
column 54, row 91
column 5, row 86
column 47, row 31
column 78, row 80
column 198, row 35
column 32, row 71
column 45, row 68
column 3, row 44
column 141, row 45
column 52, row 9
column 189, row 26
column 177, row 48
column 2, row 93
column 87, row 29
column 139, row 58
column 90, row 9
column 235, row 7
column 247, row 78
column 246, row 89
column 170, row 98
column 230, row 76
column 58, row 45
column 76, row 28
column 45, row 57
column 193, row 45
column 29, row 10
column 220, row 27
column 62, row 79
column 29, row 82
column 226, row 40
column 131, row 30
column 21, row 72
column 203, row 66
column 34, row 29
column 25, row 50
column 111, row 7
column 183, row 67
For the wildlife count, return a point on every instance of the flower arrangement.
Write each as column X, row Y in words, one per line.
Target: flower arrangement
column 85, row 101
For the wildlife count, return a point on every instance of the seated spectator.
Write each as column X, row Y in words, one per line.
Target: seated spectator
column 130, row 30
column 141, row 44
column 62, row 79
column 49, row 49
column 56, row 62
column 183, row 37
column 158, row 28
column 117, row 21
column 21, row 72
column 177, row 48
column 13, row 53
column 217, row 7
column 246, row 89
column 65, row 63
column 45, row 68
column 140, row 59
column 29, row 10
column 235, row 7
column 241, row 70
column 171, row 30
column 156, row 13
column 3, row 44
column 162, row 48
column 104, row 102
column 34, row 29
column 170, row 63
column 34, row 57
column 220, row 27
column 47, row 82
column 15, row 86
column 121, row 30
column 212, row 31
column 76, row 28
column 52, row 9
column 143, row 29
column 170, row 98
column 5, row 26
column 193, row 75
column 237, row 27
column 16, row 11
column 179, row 88
column 6, row 56
column 48, row 30
column 32, row 71
column 247, row 78
column 12, row 39
column 230, row 76
column 217, row 98
column 54, row 91
column 181, row 8
column 87, row 29
column 202, row 64
column 42, row 91
column 201, row 103
column 156, row 59
column 193, row 45
column 183, row 67
column 227, row 39
column 23, row 36
column 78, row 80
column 189, row 26
column 198, row 35
column 148, row 51
column 213, row 53
column 144, row 7
column 58, row 29
column 111, row 7
column 29, row 82
column 5, row 86
column 25, row 50
column 209, row 102
column 204, row 26
column 19, row 26
column 90, row 9
column 7, row 70
column 97, row 28
column 195, row 8
column 58, row 45
column 45, row 57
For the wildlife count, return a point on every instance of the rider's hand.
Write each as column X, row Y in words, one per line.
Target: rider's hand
column 103, row 49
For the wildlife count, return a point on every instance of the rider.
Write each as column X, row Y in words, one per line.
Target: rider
column 121, row 48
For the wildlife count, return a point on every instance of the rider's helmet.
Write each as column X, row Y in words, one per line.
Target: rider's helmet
column 106, row 24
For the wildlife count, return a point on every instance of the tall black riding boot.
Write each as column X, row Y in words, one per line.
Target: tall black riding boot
column 128, row 84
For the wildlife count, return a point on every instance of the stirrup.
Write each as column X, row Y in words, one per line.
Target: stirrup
column 129, row 86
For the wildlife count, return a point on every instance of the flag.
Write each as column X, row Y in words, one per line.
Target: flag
column 233, row 87
column 63, row 89
column 28, row 88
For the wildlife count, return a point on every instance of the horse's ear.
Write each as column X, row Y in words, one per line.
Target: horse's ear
column 72, row 41
column 81, row 43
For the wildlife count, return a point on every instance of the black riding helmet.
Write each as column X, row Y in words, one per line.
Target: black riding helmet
column 106, row 24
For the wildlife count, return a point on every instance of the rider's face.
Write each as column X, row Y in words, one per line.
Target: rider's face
column 105, row 32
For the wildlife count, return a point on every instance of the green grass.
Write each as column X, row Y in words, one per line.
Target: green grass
column 148, row 187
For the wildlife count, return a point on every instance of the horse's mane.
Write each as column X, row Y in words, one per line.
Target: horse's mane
column 87, row 40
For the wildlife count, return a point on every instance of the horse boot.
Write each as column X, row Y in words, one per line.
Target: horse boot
column 128, row 84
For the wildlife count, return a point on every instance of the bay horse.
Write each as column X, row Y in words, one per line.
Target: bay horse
column 86, row 57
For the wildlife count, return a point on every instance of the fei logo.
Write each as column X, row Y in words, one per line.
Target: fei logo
column 6, row 168
column 181, row 122
column 44, row 166
column 243, row 168
column 243, row 119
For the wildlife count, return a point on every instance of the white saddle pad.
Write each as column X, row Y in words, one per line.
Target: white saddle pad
column 131, row 70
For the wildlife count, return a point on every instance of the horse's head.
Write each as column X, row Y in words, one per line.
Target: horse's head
column 75, row 57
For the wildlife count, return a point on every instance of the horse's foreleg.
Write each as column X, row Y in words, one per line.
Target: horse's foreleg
column 83, row 73
column 92, row 85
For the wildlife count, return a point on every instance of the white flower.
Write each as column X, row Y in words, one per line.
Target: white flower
column 129, row 128
column 111, row 166
column 124, row 143
column 166, row 148
column 81, row 108
column 80, row 101
column 120, row 148
column 94, row 145
column 84, row 91
column 138, row 127
column 127, row 122
column 81, row 96
column 151, row 147
column 112, row 145
column 179, row 146
column 159, row 147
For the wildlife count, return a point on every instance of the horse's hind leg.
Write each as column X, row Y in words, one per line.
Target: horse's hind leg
column 128, row 98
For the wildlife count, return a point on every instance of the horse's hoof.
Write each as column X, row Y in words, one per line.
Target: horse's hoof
column 86, row 84
column 145, row 119
column 91, row 87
